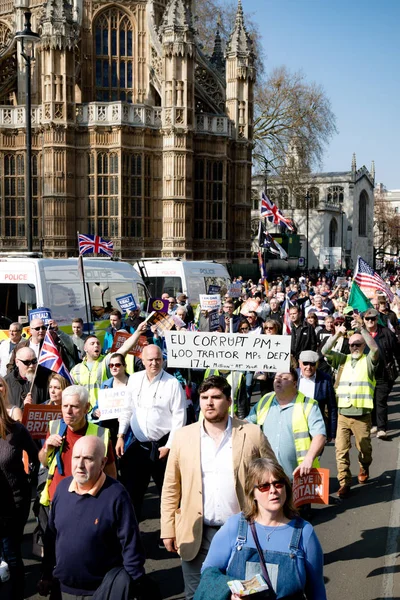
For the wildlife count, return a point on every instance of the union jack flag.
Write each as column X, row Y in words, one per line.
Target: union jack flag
column 94, row 244
column 287, row 325
column 50, row 358
column 271, row 211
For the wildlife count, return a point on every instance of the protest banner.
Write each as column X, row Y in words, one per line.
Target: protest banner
column 126, row 303
column 158, row 305
column 163, row 322
column 235, row 290
column 249, row 306
column 214, row 289
column 120, row 338
column 40, row 313
column 312, row 488
column 210, row 301
column 112, row 402
column 213, row 320
column 36, row 417
column 233, row 351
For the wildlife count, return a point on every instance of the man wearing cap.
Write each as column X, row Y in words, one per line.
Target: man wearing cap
column 386, row 372
column 182, row 300
column 316, row 384
column 303, row 334
column 355, row 385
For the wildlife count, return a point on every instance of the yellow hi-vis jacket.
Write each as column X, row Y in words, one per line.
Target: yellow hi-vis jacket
column 54, row 427
column 235, row 381
column 301, row 410
column 355, row 387
column 90, row 378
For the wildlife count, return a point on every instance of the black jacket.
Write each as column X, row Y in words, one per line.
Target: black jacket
column 303, row 338
column 389, row 354
column 19, row 387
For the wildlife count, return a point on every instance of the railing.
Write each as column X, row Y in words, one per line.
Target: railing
column 217, row 125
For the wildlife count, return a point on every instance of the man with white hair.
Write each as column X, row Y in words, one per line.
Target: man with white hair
column 62, row 435
column 27, row 382
column 93, row 538
column 7, row 346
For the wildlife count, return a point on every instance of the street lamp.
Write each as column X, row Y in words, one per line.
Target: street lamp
column 28, row 39
column 307, row 199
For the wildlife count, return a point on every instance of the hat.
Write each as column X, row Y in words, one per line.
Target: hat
column 339, row 320
column 348, row 310
column 371, row 312
column 309, row 356
column 182, row 297
column 324, row 294
column 292, row 294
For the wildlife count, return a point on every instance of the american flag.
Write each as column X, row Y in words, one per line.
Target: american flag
column 94, row 244
column 50, row 358
column 271, row 211
column 287, row 327
column 366, row 277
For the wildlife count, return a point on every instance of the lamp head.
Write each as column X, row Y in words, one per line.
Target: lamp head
column 27, row 37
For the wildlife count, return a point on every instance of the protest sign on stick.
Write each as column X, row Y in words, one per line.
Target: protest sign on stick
column 312, row 488
column 126, row 303
column 120, row 338
column 112, row 402
column 36, row 417
column 210, row 301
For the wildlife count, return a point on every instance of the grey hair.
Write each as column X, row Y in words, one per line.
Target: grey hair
column 17, row 325
column 181, row 309
column 77, row 390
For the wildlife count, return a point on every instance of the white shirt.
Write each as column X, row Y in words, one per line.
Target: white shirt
column 6, row 348
column 219, row 495
column 157, row 407
column 307, row 386
column 35, row 348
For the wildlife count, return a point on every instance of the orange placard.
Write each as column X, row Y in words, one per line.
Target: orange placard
column 36, row 417
column 312, row 488
column 120, row 338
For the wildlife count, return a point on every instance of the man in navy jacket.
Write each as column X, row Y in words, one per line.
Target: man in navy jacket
column 318, row 385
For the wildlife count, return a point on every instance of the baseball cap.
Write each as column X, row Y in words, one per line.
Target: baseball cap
column 371, row 312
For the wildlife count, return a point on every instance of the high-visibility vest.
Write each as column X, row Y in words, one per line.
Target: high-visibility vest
column 355, row 387
column 90, row 378
column 130, row 363
column 54, row 427
column 301, row 409
column 235, row 378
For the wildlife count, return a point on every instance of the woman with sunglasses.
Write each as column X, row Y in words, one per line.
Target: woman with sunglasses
column 291, row 552
column 119, row 379
column 266, row 379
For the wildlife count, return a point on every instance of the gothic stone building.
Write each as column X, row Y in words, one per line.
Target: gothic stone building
column 137, row 135
column 340, row 215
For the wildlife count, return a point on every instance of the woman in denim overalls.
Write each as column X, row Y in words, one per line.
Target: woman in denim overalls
column 292, row 552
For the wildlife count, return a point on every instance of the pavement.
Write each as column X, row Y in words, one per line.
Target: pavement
column 360, row 536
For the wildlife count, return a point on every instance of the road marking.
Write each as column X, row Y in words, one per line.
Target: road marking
column 391, row 554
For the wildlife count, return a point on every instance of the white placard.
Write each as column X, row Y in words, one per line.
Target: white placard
column 210, row 301
column 112, row 402
column 233, row 351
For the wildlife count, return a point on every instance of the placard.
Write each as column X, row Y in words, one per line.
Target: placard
column 126, row 303
column 312, row 488
column 120, row 338
column 163, row 322
column 40, row 313
column 210, row 301
column 232, row 351
column 158, row 305
column 214, row 289
column 37, row 416
column 213, row 320
column 112, row 402
column 235, row 290
column 249, row 306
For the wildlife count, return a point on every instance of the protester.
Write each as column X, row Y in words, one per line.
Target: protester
column 116, row 324
column 78, row 337
column 13, row 411
column 7, row 346
column 14, row 439
column 303, row 334
column 228, row 316
column 57, row 384
column 292, row 553
column 27, row 382
column 204, row 480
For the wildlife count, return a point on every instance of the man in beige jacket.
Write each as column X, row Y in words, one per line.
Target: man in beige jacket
column 204, row 478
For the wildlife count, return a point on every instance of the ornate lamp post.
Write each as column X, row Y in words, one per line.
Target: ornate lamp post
column 28, row 39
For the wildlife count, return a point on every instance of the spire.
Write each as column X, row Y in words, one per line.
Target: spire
column 217, row 58
column 177, row 15
column 372, row 171
column 58, row 25
column 353, row 163
column 240, row 41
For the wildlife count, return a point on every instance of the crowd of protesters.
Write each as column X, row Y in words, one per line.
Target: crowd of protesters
column 220, row 477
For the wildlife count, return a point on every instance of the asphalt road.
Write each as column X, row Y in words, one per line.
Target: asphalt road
column 360, row 535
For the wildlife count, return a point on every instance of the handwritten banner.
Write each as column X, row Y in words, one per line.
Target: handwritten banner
column 36, row 417
column 231, row 351
column 112, row 402
column 126, row 303
column 40, row 313
column 210, row 301
column 120, row 338
column 312, row 488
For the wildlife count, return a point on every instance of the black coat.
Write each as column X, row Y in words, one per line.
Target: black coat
column 303, row 338
column 19, row 388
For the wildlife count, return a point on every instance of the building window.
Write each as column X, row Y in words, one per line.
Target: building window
column 333, row 228
column 283, row 201
column 103, row 198
column 362, row 214
column 136, row 195
column 114, row 56
column 14, row 195
column 208, row 201
column 335, row 194
column 255, row 199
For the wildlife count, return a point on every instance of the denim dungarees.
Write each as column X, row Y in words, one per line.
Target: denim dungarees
column 282, row 567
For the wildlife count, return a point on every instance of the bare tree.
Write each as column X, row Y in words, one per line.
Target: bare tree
column 387, row 222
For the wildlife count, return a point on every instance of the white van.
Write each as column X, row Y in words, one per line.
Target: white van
column 28, row 282
column 174, row 276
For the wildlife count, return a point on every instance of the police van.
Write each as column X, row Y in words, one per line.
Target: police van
column 190, row 277
column 28, row 281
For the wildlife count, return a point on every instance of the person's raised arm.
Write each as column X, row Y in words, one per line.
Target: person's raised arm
column 331, row 341
column 369, row 340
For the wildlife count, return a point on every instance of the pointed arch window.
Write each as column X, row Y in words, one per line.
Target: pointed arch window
column 114, row 56
column 362, row 214
column 333, row 229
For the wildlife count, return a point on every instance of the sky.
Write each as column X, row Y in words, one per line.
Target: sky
column 351, row 48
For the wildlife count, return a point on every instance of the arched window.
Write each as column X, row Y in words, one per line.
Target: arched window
column 314, row 197
column 283, row 199
column 362, row 214
column 114, row 56
column 333, row 228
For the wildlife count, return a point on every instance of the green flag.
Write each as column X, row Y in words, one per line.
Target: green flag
column 358, row 299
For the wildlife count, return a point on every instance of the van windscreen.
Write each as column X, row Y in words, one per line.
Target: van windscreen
column 164, row 285
column 16, row 299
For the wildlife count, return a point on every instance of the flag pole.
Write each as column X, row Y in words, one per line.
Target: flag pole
column 37, row 364
column 82, row 273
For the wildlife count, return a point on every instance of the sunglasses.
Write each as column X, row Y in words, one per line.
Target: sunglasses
column 265, row 487
column 269, row 328
column 356, row 345
column 309, row 364
column 42, row 328
column 115, row 365
column 370, row 318
column 28, row 363
column 244, row 329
